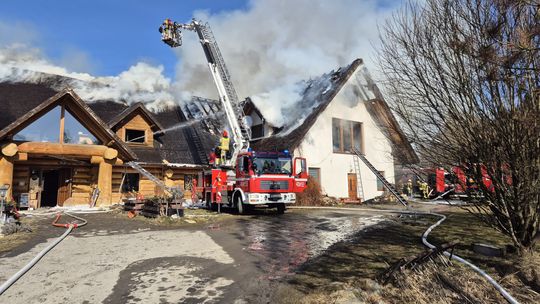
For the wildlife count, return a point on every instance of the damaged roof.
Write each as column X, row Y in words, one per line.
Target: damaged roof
column 317, row 95
column 188, row 144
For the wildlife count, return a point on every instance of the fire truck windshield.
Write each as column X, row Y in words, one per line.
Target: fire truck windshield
column 273, row 165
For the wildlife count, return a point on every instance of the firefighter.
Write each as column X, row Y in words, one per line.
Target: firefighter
column 224, row 146
column 409, row 188
column 212, row 159
column 217, row 185
column 426, row 190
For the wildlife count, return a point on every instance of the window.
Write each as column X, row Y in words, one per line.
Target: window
column 257, row 131
column 44, row 129
column 135, row 136
column 315, row 174
column 76, row 133
column 245, row 164
column 131, row 182
column 380, row 186
column 346, row 135
column 48, row 128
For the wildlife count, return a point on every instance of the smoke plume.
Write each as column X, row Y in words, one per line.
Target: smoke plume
column 273, row 45
column 269, row 47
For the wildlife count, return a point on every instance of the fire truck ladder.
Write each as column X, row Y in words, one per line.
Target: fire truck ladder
column 172, row 190
column 222, row 79
column 206, row 35
column 359, row 184
column 380, row 177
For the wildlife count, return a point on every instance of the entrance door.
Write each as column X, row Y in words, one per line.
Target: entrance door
column 49, row 194
column 64, row 185
column 352, row 182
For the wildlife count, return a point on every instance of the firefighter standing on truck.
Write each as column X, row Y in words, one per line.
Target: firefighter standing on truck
column 224, row 146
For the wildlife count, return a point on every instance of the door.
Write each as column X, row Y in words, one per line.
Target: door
column 64, row 185
column 49, row 193
column 352, row 182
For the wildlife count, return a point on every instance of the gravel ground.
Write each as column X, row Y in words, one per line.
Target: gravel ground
column 117, row 260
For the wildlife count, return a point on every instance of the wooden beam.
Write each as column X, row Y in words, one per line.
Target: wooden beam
column 21, row 156
column 96, row 160
column 110, row 153
column 61, row 149
column 9, row 149
column 62, row 120
column 6, row 175
column 105, row 183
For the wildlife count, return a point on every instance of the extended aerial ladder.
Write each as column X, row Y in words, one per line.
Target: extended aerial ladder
column 233, row 108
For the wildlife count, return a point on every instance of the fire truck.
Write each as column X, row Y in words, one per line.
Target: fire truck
column 457, row 182
column 250, row 178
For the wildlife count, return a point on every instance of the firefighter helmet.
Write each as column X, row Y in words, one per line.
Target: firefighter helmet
column 225, row 134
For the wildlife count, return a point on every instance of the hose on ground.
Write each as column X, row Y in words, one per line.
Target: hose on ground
column 43, row 252
column 492, row 281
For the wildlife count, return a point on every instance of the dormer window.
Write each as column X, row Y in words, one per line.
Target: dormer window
column 135, row 136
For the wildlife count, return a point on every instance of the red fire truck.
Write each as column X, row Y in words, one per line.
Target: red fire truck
column 458, row 181
column 250, row 178
column 269, row 179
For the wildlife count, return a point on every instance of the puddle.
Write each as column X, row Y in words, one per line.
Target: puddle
column 284, row 243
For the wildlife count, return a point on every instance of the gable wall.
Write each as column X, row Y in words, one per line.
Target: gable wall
column 137, row 122
column 317, row 147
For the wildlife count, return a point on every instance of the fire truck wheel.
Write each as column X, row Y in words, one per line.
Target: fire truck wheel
column 280, row 208
column 239, row 204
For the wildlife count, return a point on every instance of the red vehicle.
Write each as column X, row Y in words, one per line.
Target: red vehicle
column 457, row 182
column 268, row 179
column 249, row 178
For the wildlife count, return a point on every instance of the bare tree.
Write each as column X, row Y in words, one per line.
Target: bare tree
column 464, row 77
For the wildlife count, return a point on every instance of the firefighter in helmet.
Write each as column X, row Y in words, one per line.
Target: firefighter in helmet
column 224, row 146
column 409, row 188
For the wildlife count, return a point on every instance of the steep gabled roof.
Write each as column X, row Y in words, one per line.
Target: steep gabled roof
column 321, row 96
column 17, row 99
column 41, row 106
column 137, row 107
column 186, row 145
column 318, row 95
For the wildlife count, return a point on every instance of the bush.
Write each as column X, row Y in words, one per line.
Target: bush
column 312, row 194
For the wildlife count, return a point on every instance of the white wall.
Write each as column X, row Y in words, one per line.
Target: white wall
column 348, row 104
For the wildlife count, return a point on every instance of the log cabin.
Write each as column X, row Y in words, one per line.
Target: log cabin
column 56, row 149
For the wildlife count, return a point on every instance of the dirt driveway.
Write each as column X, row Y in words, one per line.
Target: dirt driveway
column 117, row 260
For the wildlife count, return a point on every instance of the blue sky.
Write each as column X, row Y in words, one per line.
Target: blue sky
column 103, row 37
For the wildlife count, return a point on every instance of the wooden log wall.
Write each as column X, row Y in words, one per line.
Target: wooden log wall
column 21, row 178
column 83, row 181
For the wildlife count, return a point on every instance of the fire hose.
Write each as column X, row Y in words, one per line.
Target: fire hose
column 69, row 226
column 482, row 273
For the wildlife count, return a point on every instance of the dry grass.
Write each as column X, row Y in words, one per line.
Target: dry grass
column 352, row 267
column 191, row 216
column 8, row 242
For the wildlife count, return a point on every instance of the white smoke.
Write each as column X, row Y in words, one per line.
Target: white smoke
column 269, row 48
column 142, row 82
column 274, row 44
